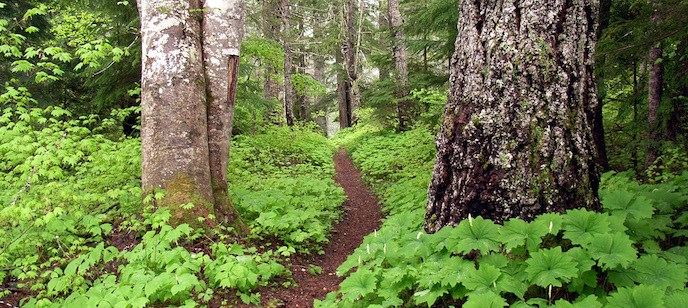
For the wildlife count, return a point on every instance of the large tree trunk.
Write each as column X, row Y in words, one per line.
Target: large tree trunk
column 400, row 64
column 222, row 36
column 182, row 100
column 516, row 140
column 286, row 44
column 174, row 134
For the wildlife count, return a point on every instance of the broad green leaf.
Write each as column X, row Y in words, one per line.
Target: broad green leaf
column 483, row 278
column 485, row 300
column 581, row 226
column 517, row 232
column 474, row 234
column 655, row 271
column 358, row 285
column 429, row 296
column 588, row 302
column 641, row 296
column 550, row 267
column 678, row 299
column 627, row 204
column 612, row 250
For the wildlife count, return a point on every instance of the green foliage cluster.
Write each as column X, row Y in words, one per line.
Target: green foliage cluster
column 60, row 177
column 158, row 270
column 632, row 255
column 66, row 181
column 282, row 183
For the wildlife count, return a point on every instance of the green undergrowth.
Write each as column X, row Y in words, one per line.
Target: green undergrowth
column 632, row 255
column 73, row 231
column 282, row 183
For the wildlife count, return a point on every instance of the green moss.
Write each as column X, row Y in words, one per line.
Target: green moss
column 186, row 205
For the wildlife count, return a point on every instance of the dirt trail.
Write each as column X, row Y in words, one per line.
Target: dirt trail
column 362, row 216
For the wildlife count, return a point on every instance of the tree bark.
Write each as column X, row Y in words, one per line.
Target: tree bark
column 350, row 56
column 343, row 92
column 654, row 99
column 174, row 134
column 286, row 44
column 222, row 36
column 399, row 54
column 186, row 107
column 515, row 140
column 597, row 118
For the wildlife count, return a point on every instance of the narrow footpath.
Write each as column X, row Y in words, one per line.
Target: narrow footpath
column 361, row 217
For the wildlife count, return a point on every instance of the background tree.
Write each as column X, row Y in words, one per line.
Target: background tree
column 515, row 139
column 401, row 65
column 176, row 90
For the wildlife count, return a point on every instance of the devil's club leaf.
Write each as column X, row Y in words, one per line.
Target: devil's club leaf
column 475, row 234
column 551, row 267
column 653, row 270
column 359, row 284
column 642, row 296
column 581, row 226
column 612, row 250
column 517, row 232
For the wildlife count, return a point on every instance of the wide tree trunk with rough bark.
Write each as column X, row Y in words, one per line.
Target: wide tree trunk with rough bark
column 399, row 54
column 516, row 140
column 654, row 95
column 187, row 106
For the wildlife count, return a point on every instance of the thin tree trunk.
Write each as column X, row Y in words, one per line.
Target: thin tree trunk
column 515, row 139
column 383, row 27
column 350, row 55
column 399, row 53
column 222, row 36
column 654, row 99
column 597, row 119
column 271, row 88
column 343, row 100
column 286, row 43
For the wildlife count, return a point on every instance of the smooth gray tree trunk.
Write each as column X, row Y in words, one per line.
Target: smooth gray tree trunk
column 515, row 140
column 183, row 100
column 222, row 35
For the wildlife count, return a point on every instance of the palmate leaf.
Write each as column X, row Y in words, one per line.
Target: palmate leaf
column 627, row 204
column 653, row 270
column 581, row 226
column 641, row 296
column 358, row 285
column 474, row 234
column 484, row 278
column 517, row 232
column 677, row 299
column 429, row 296
column 485, row 300
column 589, row 302
column 551, row 267
column 612, row 250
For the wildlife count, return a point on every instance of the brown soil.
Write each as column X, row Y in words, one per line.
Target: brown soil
column 361, row 217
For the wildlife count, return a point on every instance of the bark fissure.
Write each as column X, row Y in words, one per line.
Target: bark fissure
column 515, row 139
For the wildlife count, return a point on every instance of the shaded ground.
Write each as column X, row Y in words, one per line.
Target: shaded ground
column 362, row 216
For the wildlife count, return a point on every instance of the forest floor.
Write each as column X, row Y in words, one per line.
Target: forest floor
column 361, row 217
